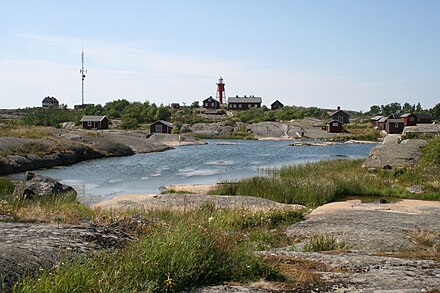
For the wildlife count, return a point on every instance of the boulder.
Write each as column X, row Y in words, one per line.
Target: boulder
column 394, row 155
column 35, row 185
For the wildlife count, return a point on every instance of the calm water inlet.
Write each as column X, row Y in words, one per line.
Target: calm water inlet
column 145, row 173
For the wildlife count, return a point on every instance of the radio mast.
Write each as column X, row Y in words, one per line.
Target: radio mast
column 83, row 76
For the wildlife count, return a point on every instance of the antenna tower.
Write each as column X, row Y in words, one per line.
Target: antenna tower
column 83, row 76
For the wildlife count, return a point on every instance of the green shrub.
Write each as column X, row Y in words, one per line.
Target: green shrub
column 318, row 243
column 6, row 186
column 430, row 153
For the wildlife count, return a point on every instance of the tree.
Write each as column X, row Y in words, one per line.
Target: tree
column 195, row 104
column 374, row 110
column 128, row 122
column 163, row 113
column 392, row 108
column 419, row 108
column 407, row 108
column 435, row 111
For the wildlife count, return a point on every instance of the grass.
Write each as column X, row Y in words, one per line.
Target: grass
column 360, row 131
column 55, row 209
column 318, row 243
column 173, row 191
column 183, row 250
column 312, row 184
column 26, row 132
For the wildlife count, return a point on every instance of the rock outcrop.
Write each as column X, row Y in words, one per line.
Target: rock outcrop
column 26, row 248
column 172, row 140
column 391, row 155
column 69, row 147
column 211, row 129
column 36, row 185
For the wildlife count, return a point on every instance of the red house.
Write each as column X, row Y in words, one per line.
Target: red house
column 334, row 126
column 95, row 122
column 244, row 103
column 161, row 126
column 175, row 106
column 211, row 103
column 394, row 125
column 409, row 119
column 424, row 118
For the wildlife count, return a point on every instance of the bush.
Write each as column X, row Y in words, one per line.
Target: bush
column 6, row 186
column 430, row 153
column 318, row 243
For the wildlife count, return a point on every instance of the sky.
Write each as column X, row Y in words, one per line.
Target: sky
column 322, row 53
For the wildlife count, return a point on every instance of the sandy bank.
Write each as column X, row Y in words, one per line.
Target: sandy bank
column 410, row 206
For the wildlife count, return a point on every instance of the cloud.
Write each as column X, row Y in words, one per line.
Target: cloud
column 142, row 71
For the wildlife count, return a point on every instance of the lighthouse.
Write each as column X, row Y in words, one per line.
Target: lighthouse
column 220, row 91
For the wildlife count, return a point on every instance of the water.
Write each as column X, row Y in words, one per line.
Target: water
column 145, row 173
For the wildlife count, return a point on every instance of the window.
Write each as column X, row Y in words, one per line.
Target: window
column 411, row 118
column 158, row 128
column 239, row 106
column 340, row 119
column 335, row 124
column 212, row 104
column 89, row 123
column 396, row 125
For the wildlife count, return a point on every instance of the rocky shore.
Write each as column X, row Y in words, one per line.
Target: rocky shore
column 66, row 147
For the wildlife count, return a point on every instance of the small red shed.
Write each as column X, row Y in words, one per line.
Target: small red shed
column 211, row 103
column 334, row 126
column 409, row 119
column 95, row 122
column 394, row 126
column 161, row 126
column 424, row 118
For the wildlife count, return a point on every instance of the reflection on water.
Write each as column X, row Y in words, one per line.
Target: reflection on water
column 204, row 164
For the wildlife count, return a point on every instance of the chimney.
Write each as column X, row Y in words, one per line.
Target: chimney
column 339, row 108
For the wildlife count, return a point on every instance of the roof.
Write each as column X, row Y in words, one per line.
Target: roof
column 244, row 99
column 209, row 99
column 338, row 111
column 50, row 100
column 424, row 115
column 375, row 118
column 92, row 118
column 164, row 123
column 333, row 120
column 277, row 102
column 406, row 115
column 394, row 120
column 383, row 119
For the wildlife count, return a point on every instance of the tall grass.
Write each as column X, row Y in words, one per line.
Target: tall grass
column 205, row 246
column 37, row 132
column 6, row 186
column 53, row 209
column 318, row 243
column 312, row 184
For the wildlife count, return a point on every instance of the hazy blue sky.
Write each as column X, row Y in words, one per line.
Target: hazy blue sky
column 352, row 53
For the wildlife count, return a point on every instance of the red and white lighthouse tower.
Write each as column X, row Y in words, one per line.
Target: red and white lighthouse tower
column 220, row 91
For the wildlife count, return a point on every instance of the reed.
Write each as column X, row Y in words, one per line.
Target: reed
column 311, row 184
column 202, row 247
